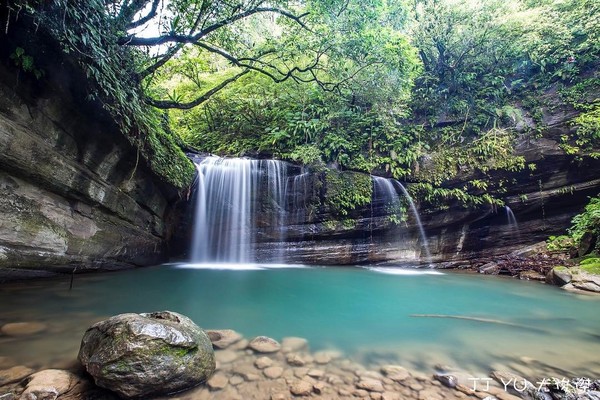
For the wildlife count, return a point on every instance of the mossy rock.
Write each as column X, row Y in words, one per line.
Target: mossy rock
column 145, row 355
column 590, row 260
column 591, row 268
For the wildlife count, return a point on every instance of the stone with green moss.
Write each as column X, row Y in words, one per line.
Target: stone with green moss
column 144, row 355
column 592, row 268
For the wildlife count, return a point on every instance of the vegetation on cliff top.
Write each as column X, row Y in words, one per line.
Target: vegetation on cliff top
column 418, row 90
column 456, row 83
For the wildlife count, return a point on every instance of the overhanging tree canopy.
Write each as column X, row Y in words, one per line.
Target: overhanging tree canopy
column 284, row 40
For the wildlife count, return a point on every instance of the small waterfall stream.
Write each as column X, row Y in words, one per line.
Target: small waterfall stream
column 512, row 220
column 415, row 212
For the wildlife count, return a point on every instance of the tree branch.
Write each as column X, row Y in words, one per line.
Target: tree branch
column 162, row 61
column 151, row 14
column 163, row 104
column 132, row 40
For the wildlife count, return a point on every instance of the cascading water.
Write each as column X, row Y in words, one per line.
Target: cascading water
column 513, row 225
column 383, row 190
column 242, row 202
column 224, row 223
column 512, row 220
column 418, row 219
column 390, row 195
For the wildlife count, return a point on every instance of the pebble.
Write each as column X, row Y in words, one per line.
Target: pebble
column 395, row 372
column 241, row 345
column 464, row 389
column 447, row 380
column 370, row 384
column 295, row 360
column 319, row 387
column 430, row 394
column 223, row 338
column 14, row 374
column 344, row 392
column 316, row 373
column 322, row 358
column 390, row 396
column 360, row 393
column 226, row 356
column 273, row 372
column 217, row 382
column 301, row 388
column 293, row 344
column 22, row 328
column 49, row 384
column 247, row 373
column 263, row 362
column 300, row 372
column 236, row 380
column 263, row 344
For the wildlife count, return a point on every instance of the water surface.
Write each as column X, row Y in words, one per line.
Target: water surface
column 374, row 315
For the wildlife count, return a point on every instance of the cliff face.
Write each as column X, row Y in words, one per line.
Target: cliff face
column 73, row 192
column 543, row 199
column 543, row 203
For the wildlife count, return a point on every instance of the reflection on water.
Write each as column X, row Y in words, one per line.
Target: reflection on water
column 415, row 318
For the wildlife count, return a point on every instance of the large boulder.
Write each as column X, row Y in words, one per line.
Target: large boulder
column 141, row 355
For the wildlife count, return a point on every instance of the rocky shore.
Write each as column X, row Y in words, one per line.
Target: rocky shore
column 536, row 263
column 266, row 369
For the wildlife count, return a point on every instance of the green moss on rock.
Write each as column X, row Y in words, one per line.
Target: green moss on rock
column 592, row 268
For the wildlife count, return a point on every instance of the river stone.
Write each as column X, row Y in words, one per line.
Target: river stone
column 370, row 384
column 526, row 389
column 395, row 372
column 263, row 362
column 141, row 355
column 584, row 281
column 226, row 356
column 447, row 380
column 22, row 328
column 14, row 374
column 223, row 338
column 263, row 344
column 293, row 344
column 49, row 384
column 301, row 388
column 295, row 360
column 217, row 382
column 273, row 372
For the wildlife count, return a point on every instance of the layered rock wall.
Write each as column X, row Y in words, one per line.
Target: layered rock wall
column 74, row 194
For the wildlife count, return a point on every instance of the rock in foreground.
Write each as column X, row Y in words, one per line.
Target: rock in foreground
column 140, row 355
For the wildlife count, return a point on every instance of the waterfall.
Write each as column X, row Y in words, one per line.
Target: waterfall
column 226, row 201
column 390, row 196
column 240, row 203
column 415, row 212
column 512, row 220
column 384, row 189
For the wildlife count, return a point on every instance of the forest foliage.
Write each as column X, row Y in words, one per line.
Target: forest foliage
column 450, row 82
column 419, row 90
